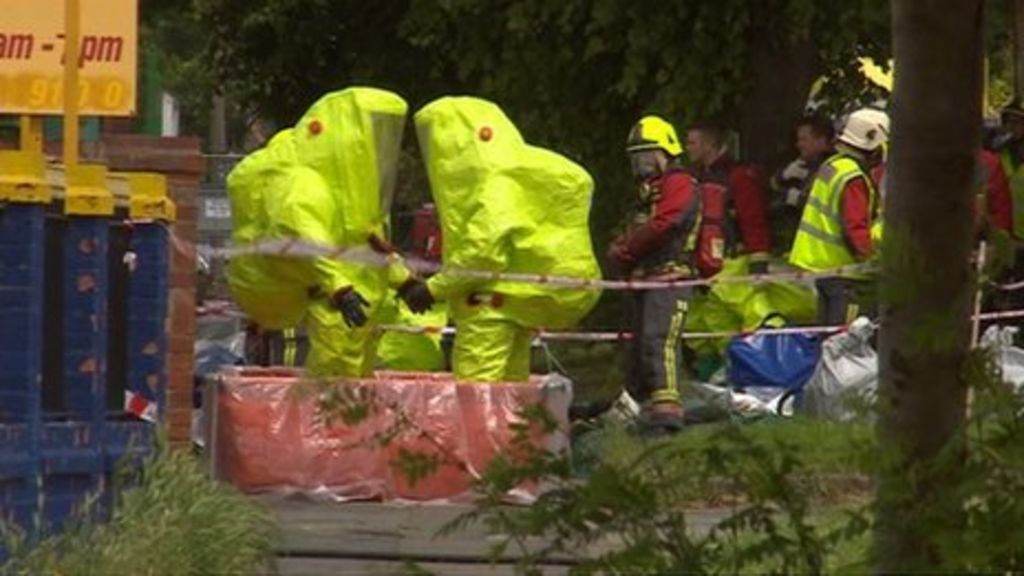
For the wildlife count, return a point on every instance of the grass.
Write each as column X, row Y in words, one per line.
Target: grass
column 175, row 521
column 847, row 556
column 833, row 456
column 831, row 478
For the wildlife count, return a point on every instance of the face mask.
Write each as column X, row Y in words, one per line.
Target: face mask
column 645, row 165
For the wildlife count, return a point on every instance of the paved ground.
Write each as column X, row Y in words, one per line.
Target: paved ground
column 321, row 538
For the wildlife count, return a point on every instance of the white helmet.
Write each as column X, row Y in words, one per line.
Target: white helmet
column 866, row 129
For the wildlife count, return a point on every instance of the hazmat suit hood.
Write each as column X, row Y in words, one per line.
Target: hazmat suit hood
column 246, row 183
column 250, row 184
column 506, row 206
column 327, row 181
column 352, row 139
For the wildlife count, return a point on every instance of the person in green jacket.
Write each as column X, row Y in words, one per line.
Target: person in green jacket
column 327, row 181
column 508, row 207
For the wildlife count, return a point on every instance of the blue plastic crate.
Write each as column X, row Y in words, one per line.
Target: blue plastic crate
column 70, row 496
column 71, row 447
column 17, row 329
column 19, row 218
column 72, row 466
column 127, row 443
column 19, row 503
column 19, row 455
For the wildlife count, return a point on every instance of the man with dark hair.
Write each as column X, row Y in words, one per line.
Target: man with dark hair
column 745, row 206
column 815, row 138
column 815, row 142
column 839, row 225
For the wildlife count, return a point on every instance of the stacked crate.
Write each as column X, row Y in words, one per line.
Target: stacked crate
column 83, row 308
column 25, row 196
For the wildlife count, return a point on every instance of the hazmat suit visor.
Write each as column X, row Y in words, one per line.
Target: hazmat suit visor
column 387, row 139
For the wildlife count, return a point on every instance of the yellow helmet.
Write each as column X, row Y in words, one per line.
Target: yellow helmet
column 654, row 133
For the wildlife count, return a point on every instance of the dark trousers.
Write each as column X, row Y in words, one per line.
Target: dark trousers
column 277, row 347
column 654, row 357
column 840, row 300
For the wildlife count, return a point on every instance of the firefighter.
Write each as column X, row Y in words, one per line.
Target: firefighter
column 745, row 216
column 328, row 181
column 836, row 226
column 658, row 244
column 505, row 207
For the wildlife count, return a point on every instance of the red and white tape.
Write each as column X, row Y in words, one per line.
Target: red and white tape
column 295, row 248
column 1011, row 287
column 1006, row 315
column 229, row 311
column 618, row 336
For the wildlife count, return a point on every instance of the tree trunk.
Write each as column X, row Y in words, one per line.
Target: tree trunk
column 783, row 75
column 218, row 125
column 926, row 285
column 1017, row 25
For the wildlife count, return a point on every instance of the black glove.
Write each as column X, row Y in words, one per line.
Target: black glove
column 350, row 303
column 416, row 295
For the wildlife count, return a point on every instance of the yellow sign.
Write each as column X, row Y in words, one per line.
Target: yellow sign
column 32, row 56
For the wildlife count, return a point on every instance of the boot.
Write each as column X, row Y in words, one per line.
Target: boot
column 662, row 419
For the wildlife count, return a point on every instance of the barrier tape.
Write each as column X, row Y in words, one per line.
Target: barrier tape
column 1009, row 314
column 365, row 255
column 229, row 311
column 618, row 336
column 294, row 248
column 1011, row 287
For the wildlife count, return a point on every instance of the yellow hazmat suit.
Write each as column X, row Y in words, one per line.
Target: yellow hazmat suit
column 327, row 181
column 505, row 206
column 411, row 352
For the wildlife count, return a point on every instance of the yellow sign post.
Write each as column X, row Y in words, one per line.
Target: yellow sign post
column 33, row 50
column 72, row 36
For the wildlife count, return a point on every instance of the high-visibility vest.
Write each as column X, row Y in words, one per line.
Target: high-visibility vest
column 1015, row 175
column 820, row 243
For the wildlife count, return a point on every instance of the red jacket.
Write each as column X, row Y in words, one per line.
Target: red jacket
column 998, row 199
column 659, row 233
column 749, row 203
column 856, row 216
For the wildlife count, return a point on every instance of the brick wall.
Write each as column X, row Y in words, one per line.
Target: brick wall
column 180, row 160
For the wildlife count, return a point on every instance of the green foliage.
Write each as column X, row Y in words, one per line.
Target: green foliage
column 634, row 513
column 631, row 515
column 173, row 36
column 973, row 521
column 278, row 56
column 574, row 74
column 175, row 521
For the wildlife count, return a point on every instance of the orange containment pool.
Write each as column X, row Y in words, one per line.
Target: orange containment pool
column 362, row 439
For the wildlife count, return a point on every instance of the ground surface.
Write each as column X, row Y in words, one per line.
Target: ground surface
column 319, row 538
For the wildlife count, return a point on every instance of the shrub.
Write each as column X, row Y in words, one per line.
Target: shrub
column 174, row 520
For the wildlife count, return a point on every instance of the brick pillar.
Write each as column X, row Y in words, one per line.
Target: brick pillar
column 180, row 160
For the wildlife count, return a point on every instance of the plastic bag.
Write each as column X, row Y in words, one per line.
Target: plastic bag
column 847, row 376
column 769, row 365
column 272, row 434
column 999, row 339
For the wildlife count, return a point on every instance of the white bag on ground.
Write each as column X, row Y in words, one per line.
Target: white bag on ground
column 999, row 339
column 715, row 400
column 846, row 378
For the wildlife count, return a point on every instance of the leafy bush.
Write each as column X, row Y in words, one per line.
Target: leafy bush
column 175, row 520
column 634, row 511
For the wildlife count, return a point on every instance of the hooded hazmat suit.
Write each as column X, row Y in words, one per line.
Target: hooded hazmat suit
column 505, row 206
column 327, row 181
